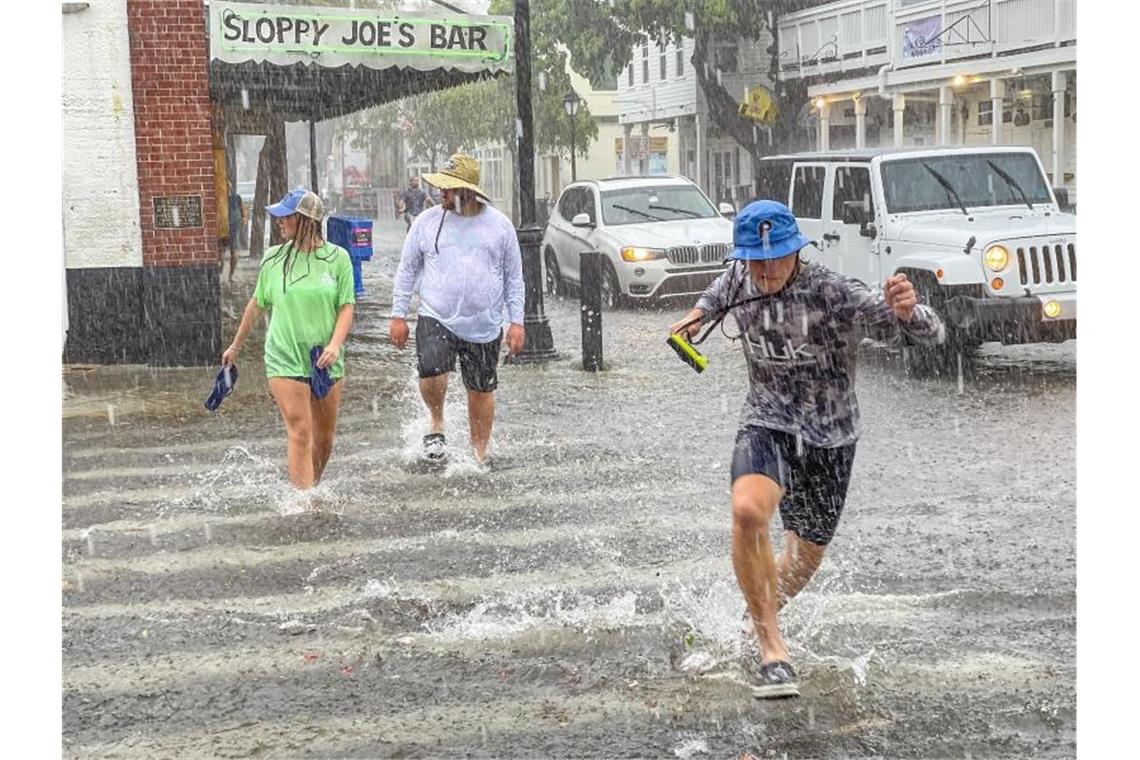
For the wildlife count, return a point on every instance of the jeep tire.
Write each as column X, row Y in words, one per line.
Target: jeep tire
column 924, row 360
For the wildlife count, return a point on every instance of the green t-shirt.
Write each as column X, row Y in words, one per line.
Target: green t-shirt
column 303, row 306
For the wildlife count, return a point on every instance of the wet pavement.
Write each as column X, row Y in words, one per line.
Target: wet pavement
column 577, row 597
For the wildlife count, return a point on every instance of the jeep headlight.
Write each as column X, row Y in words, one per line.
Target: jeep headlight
column 997, row 258
column 637, row 253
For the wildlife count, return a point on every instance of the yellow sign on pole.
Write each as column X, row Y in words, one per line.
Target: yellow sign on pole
column 759, row 105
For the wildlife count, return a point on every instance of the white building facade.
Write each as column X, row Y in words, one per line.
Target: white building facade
column 595, row 159
column 940, row 72
column 665, row 119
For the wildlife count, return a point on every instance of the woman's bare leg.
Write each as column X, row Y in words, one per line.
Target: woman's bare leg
column 292, row 399
column 324, row 427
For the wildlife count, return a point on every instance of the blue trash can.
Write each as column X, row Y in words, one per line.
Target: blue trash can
column 354, row 234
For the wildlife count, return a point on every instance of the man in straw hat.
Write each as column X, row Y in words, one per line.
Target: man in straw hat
column 798, row 323
column 468, row 255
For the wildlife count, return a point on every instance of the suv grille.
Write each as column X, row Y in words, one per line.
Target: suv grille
column 1047, row 264
column 712, row 253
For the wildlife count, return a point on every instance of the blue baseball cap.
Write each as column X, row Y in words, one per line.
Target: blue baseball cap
column 766, row 230
column 298, row 201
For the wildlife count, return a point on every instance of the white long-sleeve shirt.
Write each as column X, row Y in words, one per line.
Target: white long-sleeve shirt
column 473, row 274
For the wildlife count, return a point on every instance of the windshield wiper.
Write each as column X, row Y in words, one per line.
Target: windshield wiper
column 1010, row 181
column 950, row 191
column 692, row 213
column 637, row 211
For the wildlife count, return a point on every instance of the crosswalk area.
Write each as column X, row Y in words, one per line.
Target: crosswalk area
column 576, row 598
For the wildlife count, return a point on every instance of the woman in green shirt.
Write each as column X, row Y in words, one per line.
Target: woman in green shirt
column 306, row 284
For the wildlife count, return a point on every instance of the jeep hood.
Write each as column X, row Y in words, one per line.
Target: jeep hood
column 988, row 227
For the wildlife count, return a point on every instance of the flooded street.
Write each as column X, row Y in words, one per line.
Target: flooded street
column 577, row 598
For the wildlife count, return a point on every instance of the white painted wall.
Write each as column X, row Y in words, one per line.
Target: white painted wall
column 100, row 178
column 657, row 99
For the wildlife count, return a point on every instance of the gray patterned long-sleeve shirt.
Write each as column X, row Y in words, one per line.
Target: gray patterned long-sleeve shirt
column 800, row 344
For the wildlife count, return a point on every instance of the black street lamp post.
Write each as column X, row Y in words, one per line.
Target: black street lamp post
column 539, row 343
column 570, row 103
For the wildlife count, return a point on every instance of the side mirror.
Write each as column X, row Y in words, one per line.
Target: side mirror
column 582, row 220
column 726, row 209
column 868, row 230
column 855, row 212
column 1062, row 195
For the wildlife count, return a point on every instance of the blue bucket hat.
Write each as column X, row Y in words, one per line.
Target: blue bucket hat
column 766, row 230
column 223, row 386
column 298, row 201
column 319, row 381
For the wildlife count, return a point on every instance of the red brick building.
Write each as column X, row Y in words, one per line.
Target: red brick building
column 148, row 295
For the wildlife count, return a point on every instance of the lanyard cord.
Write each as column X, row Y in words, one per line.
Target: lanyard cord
column 720, row 314
column 438, row 230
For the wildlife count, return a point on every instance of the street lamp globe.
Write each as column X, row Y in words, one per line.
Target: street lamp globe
column 570, row 103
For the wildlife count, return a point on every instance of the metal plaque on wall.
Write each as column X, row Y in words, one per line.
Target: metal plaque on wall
column 175, row 211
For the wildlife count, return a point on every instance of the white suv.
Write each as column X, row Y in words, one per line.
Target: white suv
column 661, row 236
column 976, row 228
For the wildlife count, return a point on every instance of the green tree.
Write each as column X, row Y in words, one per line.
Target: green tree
column 601, row 34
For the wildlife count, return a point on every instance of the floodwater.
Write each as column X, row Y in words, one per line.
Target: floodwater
column 576, row 598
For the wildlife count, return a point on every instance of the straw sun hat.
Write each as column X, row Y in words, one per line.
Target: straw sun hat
column 460, row 171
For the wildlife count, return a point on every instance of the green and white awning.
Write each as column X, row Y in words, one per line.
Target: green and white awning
column 301, row 62
column 332, row 37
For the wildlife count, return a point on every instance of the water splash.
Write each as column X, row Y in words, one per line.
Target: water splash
column 537, row 610
column 689, row 745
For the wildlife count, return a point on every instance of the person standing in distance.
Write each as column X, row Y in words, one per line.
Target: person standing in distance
column 306, row 284
column 797, row 323
column 413, row 200
column 468, row 254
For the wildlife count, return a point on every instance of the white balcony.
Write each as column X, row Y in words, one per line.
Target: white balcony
column 853, row 35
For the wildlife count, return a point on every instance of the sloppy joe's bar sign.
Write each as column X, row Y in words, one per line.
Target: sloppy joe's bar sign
column 335, row 36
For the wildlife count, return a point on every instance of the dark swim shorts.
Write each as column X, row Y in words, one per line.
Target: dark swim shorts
column 814, row 479
column 437, row 347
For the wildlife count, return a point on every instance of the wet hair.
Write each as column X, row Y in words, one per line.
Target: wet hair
column 308, row 234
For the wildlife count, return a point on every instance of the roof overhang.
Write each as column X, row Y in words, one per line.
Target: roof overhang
column 919, row 78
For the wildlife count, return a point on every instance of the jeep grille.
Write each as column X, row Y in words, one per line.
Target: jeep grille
column 1047, row 264
column 713, row 253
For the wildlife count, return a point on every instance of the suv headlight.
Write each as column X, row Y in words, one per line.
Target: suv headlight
column 637, row 253
column 997, row 258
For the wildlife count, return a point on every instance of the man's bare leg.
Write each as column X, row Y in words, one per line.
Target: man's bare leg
column 434, row 391
column 480, row 416
column 796, row 566
column 754, row 501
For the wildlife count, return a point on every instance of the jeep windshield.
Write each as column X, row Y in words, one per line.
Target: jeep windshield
column 655, row 203
column 909, row 184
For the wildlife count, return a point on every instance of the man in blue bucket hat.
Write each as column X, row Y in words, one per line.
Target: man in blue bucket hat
column 798, row 323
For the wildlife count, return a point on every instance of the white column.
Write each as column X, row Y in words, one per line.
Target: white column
column 825, row 127
column 860, row 122
column 643, row 164
column 945, row 103
column 997, row 98
column 1059, row 82
column 899, row 106
column 699, row 128
column 627, row 132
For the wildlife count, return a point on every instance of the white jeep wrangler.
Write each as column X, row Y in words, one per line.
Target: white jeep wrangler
column 977, row 229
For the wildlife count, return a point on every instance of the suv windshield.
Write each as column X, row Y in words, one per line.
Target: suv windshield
column 910, row 185
column 655, row 203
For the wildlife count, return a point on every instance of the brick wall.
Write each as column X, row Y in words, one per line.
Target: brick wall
column 173, row 146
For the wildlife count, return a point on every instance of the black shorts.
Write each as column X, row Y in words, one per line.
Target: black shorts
column 814, row 479
column 437, row 347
